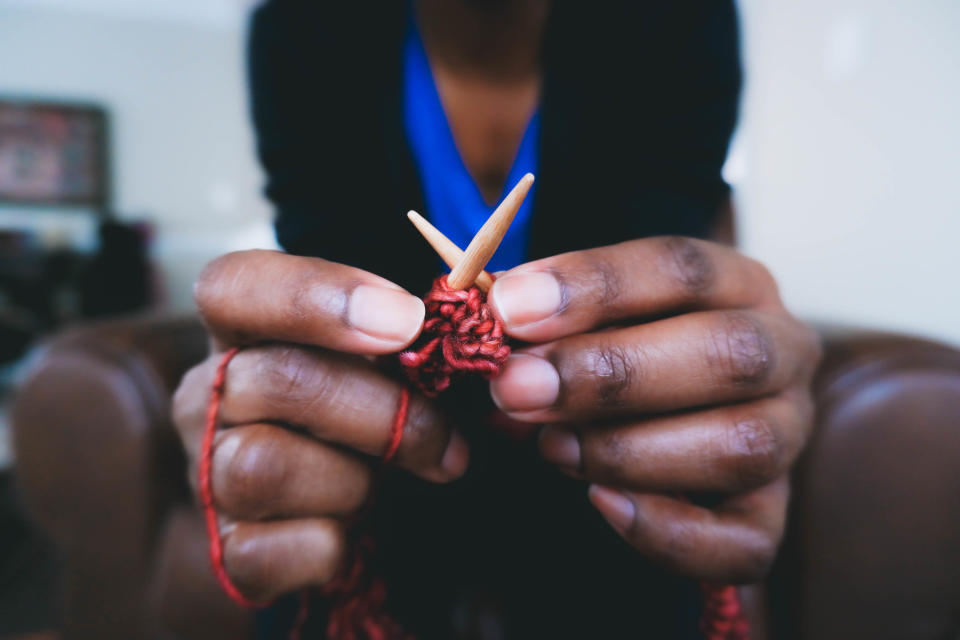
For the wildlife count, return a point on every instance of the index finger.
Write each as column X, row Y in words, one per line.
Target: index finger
column 252, row 296
column 647, row 278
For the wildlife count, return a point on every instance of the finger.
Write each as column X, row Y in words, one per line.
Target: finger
column 268, row 559
column 251, row 296
column 341, row 399
column 262, row 471
column 692, row 360
column 726, row 449
column 582, row 290
column 735, row 543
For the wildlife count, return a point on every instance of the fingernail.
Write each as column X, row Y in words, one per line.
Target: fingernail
column 525, row 384
column 386, row 314
column 524, row 298
column 612, row 505
column 455, row 458
column 561, row 447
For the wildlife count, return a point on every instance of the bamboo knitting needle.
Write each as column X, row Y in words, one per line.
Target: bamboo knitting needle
column 445, row 248
column 485, row 243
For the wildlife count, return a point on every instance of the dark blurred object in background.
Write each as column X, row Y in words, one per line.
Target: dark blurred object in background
column 29, row 571
column 43, row 289
column 118, row 278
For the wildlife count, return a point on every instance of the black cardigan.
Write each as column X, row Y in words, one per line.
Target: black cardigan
column 639, row 101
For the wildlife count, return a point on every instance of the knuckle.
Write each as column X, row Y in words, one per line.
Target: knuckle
column 757, row 453
column 689, row 265
column 756, row 559
column 605, row 279
column 253, row 475
column 301, row 296
column 291, row 380
column 676, row 546
column 742, row 350
column 606, row 457
column 356, row 495
column 611, row 368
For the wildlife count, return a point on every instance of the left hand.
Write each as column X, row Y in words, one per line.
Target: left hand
column 661, row 367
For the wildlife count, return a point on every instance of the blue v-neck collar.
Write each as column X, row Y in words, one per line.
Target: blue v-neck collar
column 454, row 202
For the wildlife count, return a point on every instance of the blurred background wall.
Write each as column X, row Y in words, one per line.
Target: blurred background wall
column 846, row 166
column 170, row 73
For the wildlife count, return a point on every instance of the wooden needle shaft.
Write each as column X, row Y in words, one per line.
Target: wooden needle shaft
column 485, row 243
column 445, row 248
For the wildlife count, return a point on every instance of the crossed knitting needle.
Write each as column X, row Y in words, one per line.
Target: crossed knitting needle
column 467, row 266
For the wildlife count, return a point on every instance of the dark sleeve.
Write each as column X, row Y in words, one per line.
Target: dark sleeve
column 645, row 98
column 312, row 119
column 281, row 103
column 699, row 78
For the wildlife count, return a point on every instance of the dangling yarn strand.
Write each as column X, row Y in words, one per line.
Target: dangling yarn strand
column 357, row 611
column 206, row 487
column 723, row 616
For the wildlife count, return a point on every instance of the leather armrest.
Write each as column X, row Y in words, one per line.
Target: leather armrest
column 98, row 462
column 873, row 543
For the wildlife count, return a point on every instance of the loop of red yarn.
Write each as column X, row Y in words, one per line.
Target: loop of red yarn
column 357, row 610
column 460, row 334
column 206, row 487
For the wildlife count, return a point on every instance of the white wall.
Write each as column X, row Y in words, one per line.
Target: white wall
column 847, row 166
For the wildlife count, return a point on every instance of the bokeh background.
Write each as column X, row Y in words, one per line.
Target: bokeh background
column 846, row 164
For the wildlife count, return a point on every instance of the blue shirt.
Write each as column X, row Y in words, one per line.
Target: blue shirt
column 455, row 204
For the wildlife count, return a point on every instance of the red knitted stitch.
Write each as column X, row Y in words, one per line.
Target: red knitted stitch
column 460, row 334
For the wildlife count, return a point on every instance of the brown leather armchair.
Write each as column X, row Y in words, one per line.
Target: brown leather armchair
column 872, row 550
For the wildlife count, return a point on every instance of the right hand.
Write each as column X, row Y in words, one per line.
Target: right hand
column 305, row 415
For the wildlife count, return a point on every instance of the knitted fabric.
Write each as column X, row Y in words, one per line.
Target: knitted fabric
column 460, row 334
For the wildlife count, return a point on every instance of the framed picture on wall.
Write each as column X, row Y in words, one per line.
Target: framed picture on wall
column 53, row 154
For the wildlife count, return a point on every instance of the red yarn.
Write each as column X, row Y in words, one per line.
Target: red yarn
column 723, row 617
column 460, row 334
column 357, row 601
column 206, row 489
column 357, row 612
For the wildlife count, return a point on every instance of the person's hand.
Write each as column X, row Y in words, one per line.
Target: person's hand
column 304, row 414
column 665, row 368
